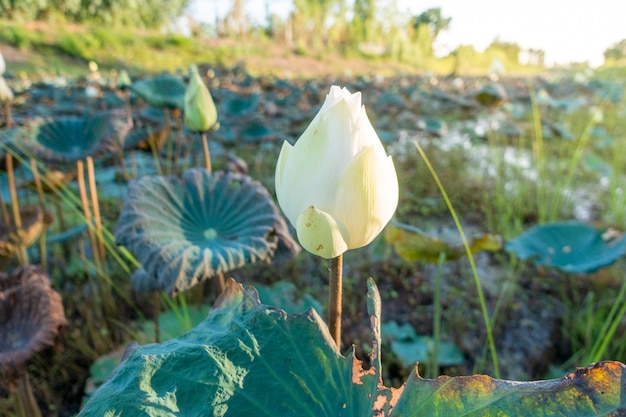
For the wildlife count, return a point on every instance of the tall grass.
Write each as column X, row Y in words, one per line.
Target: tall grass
column 481, row 297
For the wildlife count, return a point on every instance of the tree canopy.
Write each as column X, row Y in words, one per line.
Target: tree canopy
column 141, row 13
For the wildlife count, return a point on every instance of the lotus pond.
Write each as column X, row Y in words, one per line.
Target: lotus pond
column 105, row 188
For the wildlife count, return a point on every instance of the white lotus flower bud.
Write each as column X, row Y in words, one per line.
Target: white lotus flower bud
column 337, row 185
column 5, row 91
column 200, row 110
column 3, row 65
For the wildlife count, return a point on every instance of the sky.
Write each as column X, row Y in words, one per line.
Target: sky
column 567, row 30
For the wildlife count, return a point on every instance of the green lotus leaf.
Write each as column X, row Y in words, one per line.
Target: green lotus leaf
column 283, row 294
column 569, row 246
column 185, row 230
column 256, row 131
column 432, row 126
column 411, row 348
column 491, row 95
column 238, row 105
column 69, row 139
column 594, row 163
column 161, row 91
column 551, row 130
column 248, row 359
column 149, row 130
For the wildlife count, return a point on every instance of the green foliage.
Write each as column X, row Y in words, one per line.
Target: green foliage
column 432, row 19
column 16, row 36
column 137, row 13
column 616, row 53
column 83, row 47
column 259, row 360
column 508, row 51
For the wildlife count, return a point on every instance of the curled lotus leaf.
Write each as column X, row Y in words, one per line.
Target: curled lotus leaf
column 185, row 230
column 31, row 315
column 569, row 246
column 69, row 139
column 248, row 359
column 413, row 244
column 164, row 90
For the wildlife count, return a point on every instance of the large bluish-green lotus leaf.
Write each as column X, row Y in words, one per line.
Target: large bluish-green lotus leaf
column 570, row 246
column 244, row 359
column 413, row 244
column 69, row 139
column 161, row 91
column 185, row 230
column 249, row 359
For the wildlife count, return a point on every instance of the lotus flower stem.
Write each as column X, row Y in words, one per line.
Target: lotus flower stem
column 170, row 148
column 205, row 151
column 123, row 165
column 42, row 203
column 334, row 300
column 104, row 287
column 96, row 208
column 87, row 212
column 178, row 150
column 15, row 205
column 155, row 156
column 25, row 400
column 5, row 212
column 7, row 112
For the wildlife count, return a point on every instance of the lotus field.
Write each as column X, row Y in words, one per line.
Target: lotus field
column 213, row 243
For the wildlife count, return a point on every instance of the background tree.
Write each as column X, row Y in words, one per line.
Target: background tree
column 432, row 19
column 309, row 20
column 507, row 51
column 616, row 53
column 137, row 13
column 236, row 21
column 363, row 25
